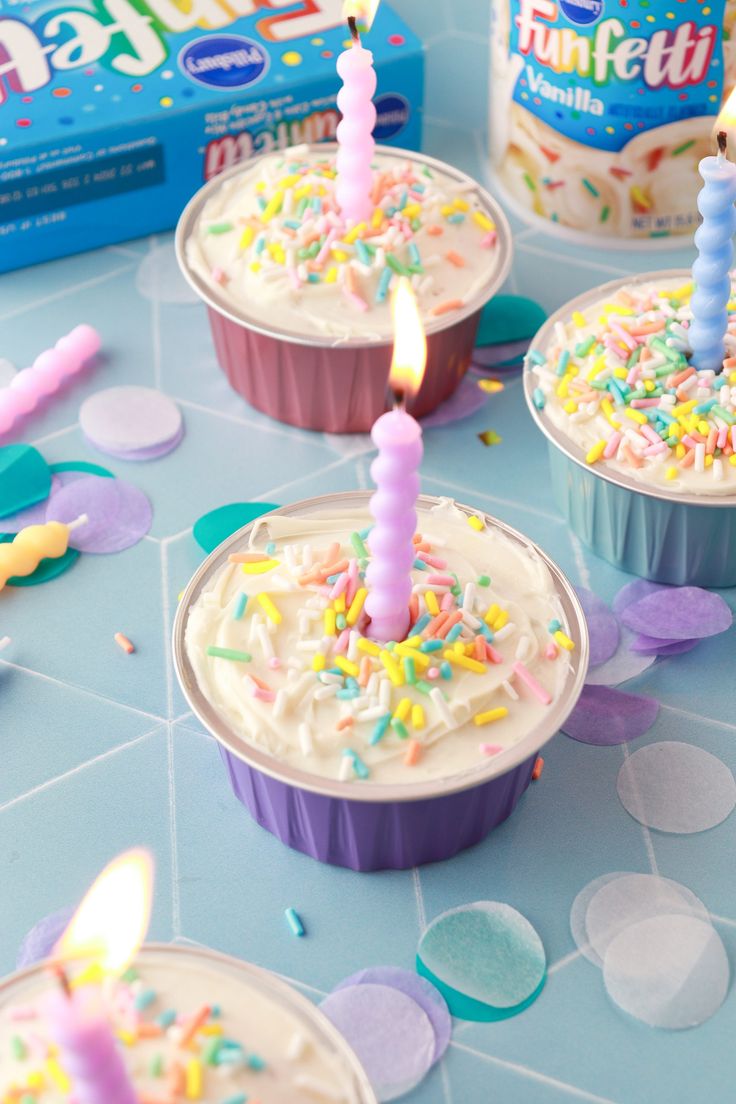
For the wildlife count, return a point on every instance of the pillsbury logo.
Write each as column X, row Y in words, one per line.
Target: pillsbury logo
column 582, row 12
column 224, row 61
column 392, row 115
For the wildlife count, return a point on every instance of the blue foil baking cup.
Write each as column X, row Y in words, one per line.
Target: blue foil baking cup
column 374, row 826
column 666, row 537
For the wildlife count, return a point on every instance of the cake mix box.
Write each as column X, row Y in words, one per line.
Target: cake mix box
column 114, row 112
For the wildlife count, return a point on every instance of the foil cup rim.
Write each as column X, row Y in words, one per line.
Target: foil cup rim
column 210, row 298
column 560, row 439
column 274, row 984
column 382, row 793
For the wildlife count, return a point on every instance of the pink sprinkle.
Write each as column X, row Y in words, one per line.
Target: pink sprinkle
column 633, row 376
column 612, row 447
column 722, row 438
column 432, row 561
column 218, row 275
column 489, row 240
column 23, row 1013
column 294, row 277
column 448, row 601
column 621, row 332
column 655, row 450
column 340, row 583
column 531, row 683
column 264, row 695
column 355, row 300
column 489, row 749
column 689, row 441
column 733, row 436
column 343, row 641
column 650, row 435
column 274, row 663
column 640, row 404
column 551, row 651
column 325, row 250
column 440, row 580
column 433, row 673
column 492, row 654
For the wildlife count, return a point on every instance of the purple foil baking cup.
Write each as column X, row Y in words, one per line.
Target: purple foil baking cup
column 665, row 537
column 376, row 826
column 309, row 381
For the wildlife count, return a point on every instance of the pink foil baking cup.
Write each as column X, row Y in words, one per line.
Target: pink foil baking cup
column 377, row 826
column 311, row 382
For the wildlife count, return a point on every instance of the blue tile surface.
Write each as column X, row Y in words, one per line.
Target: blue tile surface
column 99, row 751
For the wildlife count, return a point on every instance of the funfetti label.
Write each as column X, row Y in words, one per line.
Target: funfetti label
column 601, row 109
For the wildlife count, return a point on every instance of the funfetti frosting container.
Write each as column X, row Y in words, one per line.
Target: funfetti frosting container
column 276, row 1045
column 654, row 496
column 364, row 755
column 299, row 304
column 601, row 111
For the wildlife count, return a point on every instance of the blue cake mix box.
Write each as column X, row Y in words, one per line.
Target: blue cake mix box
column 114, row 112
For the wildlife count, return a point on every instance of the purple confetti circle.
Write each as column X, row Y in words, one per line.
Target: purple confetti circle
column 419, row 989
column 603, row 628
column 679, row 613
column 605, row 717
column 119, row 514
column 634, row 592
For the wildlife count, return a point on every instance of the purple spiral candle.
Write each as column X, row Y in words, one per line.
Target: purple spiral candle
column 398, row 438
column 354, row 185
column 711, row 270
column 88, row 1051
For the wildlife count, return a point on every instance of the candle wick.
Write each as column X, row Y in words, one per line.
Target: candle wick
column 722, row 140
column 63, row 980
column 353, row 26
column 399, row 398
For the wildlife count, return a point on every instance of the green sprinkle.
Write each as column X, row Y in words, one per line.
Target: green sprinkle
column 358, row 544
column 396, row 266
column 229, row 653
column 591, row 187
column 634, row 357
column 426, row 171
column 662, row 347
column 156, row 1065
column 424, row 687
column 723, row 413
column 409, row 671
column 220, row 228
column 681, row 149
column 341, row 621
column 130, row 975
column 255, row 1062
column 554, row 626
column 605, row 213
column 416, row 224
column 18, row 1048
column 239, row 1098
column 400, row 728
column 211, row 1050
column 583, row 347
column 302, row 206
column 529, row 182
column 483, row 580
column 240, row 603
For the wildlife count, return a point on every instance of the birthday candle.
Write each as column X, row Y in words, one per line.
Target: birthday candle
column 33, row 544
column 356, row 146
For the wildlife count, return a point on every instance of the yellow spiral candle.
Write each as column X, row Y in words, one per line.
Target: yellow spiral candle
column 33, row 544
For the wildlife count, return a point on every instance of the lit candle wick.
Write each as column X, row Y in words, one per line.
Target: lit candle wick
column 722, row 139
column 353, row 27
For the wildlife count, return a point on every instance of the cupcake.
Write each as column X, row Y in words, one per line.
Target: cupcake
column 299, row 302
column 195, row 1024
column 379, row 754
column 642, row 445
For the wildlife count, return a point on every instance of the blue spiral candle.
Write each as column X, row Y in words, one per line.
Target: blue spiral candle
column 711, row 271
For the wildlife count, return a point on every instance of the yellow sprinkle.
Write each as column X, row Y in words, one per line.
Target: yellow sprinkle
column 641, row 197
column 331, row 275
column 491, row 715
column 492, row 613
column 340, row 603
column 355, row 233
column 680, row 451
column 417, row 716
column 403, row 709
column 278, row 255
column 272, row 611
column 564, row 641
column 732, row 378
column 683, row 292
column 709, row 461
column 193, row 1090
column 377, row 218
column 127, row 1038
column 330, row 626
column 35, row 1081
column 500, row 620
column 447, row 210
column 636, row 416
column 732, row 460
column 578, row 319
column 483, row 221
column 432, row 604
column 246, row 237
column 273, row 206
column 671, row 473
column 395, row 672
column 210, row 1029
column 300, row 193
column 563, row 387
column 289, row 181
column 703, row 428
column 255, row 266
column 419, row 657
column 340, row 255
column 347, row 666
column 620, row 373
column 459, row 648
column 91, row 975
column 356, row 606
column 460, row 204
column 412, row 211
column 413, row 641
column 57, row 1075
column 475, row 523
column 684, row 408
column 318, row 662
column 570, row 406
column 648, row 385
column 368, row 647
column 473, row 665
column 596, row 452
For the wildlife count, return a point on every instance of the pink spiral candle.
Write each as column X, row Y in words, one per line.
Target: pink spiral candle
column 89, row 1052
column 355, row 132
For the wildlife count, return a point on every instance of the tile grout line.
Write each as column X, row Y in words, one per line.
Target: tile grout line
column 82, row 690
column 725, row 920
column 51, row 782
column 173, row 833
column 446, row 1084
column 648, row 843
column 64, row 292
column 293, row 482
column 55, row 435
column 698, row 717
column 535, row 1075
column 561, row 963
column 491, row 498
column 419, row 895
column 275, row 430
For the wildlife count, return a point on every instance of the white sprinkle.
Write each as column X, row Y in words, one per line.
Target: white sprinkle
column 442, row 708
column 297, row 1046
column 314, row 1085
column 264, row 639
column 717, row 475
column 290, row 556
column 279, row 706
column 470, row 619
column 419, row 588
column 372, row 714
column 322, row 693
column 699, row 464
column 306, row 741
column 307, row 559
column 510, row 690
column 522, row 648
column 255, row 622
column 308, row 645
column 353, row 653
column 328, row 679
column 384, row 693
column 506, row 631
column 372, row 685
column 469, row 597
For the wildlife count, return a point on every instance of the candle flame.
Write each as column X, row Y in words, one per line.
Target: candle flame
column 410, row 344
column 727, row 117
column 111, row 923
column 362, row 11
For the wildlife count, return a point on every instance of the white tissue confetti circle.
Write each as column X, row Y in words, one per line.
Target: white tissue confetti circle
column 631, row 898
column 578, row 913
column 669, row 971
column 129, row 419
column 676, row 787
column 389, row 1032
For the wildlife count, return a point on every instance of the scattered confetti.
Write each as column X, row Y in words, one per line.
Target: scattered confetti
column 491, row 386
column 679, row 613
column 213, row 528
column 463, row 403
column 603, row 628
column 25, row 478
column 489, row 437
column 131, row 423
column 668, row 971
column 604, row 716
column 651, row 645
column 634, row 592
column 40, row 941
column 485, row 958
column 578, row 913
column 122, row 642
column 623, row 664
column 119, row 514
column 676, row 787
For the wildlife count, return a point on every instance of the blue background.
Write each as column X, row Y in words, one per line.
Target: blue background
column 99, row 751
